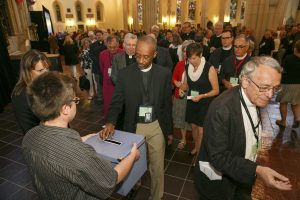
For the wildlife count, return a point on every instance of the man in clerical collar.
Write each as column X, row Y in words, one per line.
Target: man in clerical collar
column 232, row 136
column 186, row 32
column 123, row 59
column 215, row 40
column 233, row 65
column 220, row 54
column 145, row 90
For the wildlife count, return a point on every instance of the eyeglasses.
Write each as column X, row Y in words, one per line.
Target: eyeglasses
column 263, row 89
column 239, row 47
column 76, row 100
column 224, row 38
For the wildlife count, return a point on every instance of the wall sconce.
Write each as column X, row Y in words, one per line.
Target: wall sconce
column 164, row 21
column 226, row 18
column 215, row 19
column 173, row 21
column 70, row 22
column 90, row 22
column 130, row 23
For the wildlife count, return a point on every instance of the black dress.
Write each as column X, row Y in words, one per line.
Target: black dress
column 196, row 111
column 25, row 117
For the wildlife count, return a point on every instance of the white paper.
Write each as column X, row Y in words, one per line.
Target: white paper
column 209, row 171
column 189, row 97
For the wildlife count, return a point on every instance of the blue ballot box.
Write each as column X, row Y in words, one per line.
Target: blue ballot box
column 115, row 149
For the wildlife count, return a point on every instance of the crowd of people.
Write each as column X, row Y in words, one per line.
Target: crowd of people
column 210, row 81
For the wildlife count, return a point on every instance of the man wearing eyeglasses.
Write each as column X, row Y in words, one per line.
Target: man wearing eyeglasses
column 227, row 166
column 233, row 65
column 60, row 164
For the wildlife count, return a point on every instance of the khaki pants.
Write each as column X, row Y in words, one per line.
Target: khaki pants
column 156, row 151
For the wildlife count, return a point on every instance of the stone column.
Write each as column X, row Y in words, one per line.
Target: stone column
column 222, row 10
column 184, row 10
column 134, row 12
column 198, row 12
column 203, row 19
column 126, row 13
column 149, row 14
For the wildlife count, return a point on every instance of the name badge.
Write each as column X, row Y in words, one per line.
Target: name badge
column 194, row 93
column 109, row 71
column 234, row 81
column 255, row 149
column 145, row 113
column 219, row 69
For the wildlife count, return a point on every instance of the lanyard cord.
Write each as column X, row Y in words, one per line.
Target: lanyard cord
column 256, row 134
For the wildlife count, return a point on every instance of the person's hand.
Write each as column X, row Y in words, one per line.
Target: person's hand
column 84, row 138
column 197, row 98
column 273, row 179
column 177, row 83
column 107, row 132
column 181, row 93
column 134, row 151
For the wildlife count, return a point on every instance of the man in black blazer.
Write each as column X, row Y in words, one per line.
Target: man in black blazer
column 232, row 136
column 145, row 90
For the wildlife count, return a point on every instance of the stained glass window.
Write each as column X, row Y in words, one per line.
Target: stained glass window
column 192, row 9
column 99, row 11
column 178, row 11
column 140, row 11
column 57, row 12
column 78, row 12
column 233, row 8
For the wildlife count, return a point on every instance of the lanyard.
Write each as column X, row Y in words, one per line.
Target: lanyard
column 256, row 133
column 238, row 66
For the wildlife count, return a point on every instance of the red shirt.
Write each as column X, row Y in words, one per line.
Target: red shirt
column 177, row 75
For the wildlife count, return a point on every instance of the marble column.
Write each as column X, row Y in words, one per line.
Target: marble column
column 149, row 14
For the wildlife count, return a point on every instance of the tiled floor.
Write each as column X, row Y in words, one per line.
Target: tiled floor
column 281, row 151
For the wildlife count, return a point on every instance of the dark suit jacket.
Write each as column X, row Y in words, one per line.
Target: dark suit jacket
column 224, row 146
column 119, row 62
column 128, row 92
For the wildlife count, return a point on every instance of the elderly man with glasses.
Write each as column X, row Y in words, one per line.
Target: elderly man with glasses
column 233, row 65
column 232, row 136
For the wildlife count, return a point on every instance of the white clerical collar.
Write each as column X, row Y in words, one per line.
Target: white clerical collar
column 241, row 58
column 246, row 99
column 147, row 69
column 226, row 48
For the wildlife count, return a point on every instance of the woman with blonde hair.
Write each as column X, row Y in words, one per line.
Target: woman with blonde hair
column 70, row 51
column 33, row 63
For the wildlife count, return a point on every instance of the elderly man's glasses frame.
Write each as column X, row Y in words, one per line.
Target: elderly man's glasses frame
column 263, row 89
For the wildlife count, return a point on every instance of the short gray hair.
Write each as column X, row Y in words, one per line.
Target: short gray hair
column 250, row 67
column 186, row 43
column 130, row 36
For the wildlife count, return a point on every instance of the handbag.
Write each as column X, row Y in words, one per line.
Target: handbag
column 84, row 83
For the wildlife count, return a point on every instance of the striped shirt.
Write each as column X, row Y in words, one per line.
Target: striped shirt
column 63, row 167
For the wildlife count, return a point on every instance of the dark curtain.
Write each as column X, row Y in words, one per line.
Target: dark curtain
column 7, row 78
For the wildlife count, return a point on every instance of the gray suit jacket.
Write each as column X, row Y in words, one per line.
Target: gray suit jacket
column 119, row 62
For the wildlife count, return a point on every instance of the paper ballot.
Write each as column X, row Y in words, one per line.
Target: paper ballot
column 209, row 171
